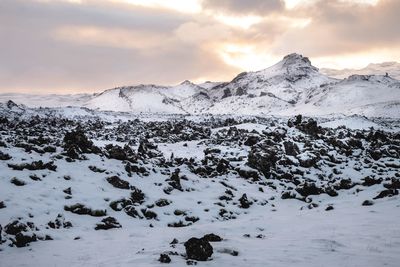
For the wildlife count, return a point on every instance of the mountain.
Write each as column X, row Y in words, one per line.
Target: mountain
column 391, row 68
column 289, row 87
column 279, row 87
column 369, row 95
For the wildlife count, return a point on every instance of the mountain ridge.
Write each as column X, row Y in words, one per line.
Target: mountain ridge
column 291, row 86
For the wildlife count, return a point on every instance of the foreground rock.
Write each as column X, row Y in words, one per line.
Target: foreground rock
column 198, row 249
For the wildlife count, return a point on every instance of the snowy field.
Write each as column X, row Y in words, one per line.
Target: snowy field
column 279, row 191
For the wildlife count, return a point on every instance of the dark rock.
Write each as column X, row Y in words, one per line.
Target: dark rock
column 192, row 219
column 35, row 177
column 248, row 174
column 118, row 182
column 252, row 140
column 23, row 239
column 198, row 249
column 175, row 180
column 83, row 210
column 369, row 181
column 262, row 157
column 162, row 202
column 137, row 196
column 4, row 156
column 329, row 208
column 35, row 165
column 212, row 238
column 291, row 148
column 149, row 214
column 60, row 222
column 288, row 195
column 76, row 142
column 15, row 227
column 387, row 193
column 394, row 184
column 244, row 202
column 310, row 127
column 164, row 258
column 68, row 191
column 331, row 192
column 344, row 184
column 178, row 224
column 227, row 93
column 367, row 203
column 96, row 169
column 375, row 154
column 308, row 162
column 108, row 223
column 17, row 181
column 131, row 211
column 307, row 189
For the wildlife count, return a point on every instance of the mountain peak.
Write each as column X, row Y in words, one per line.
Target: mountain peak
column 295, row 59
column 186, row 82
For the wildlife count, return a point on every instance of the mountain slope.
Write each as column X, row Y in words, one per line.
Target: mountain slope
column 369, row 95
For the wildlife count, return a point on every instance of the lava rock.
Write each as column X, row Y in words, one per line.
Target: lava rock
column 108, row 223
column 17, row 182
column 367, row 203
column 164, row 258
column 59, row 222
column 212, row 238
column 307, row 189
column 118, row 182
column 244, row 202
column 162, row 202
column 83, row 210
column 291, row 148
column 198, row 249
column 387, row 193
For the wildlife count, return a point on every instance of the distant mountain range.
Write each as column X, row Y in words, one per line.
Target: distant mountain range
column 289, row 87
column 391, row 68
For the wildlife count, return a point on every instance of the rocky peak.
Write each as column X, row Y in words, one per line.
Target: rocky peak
column 187, row 82
column 295, row 58
column 11, row 104
column 297, row 64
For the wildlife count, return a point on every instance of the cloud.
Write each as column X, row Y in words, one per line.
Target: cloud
column 64, row 47
column 257, row 7
column 344, row 27
column 89, row 45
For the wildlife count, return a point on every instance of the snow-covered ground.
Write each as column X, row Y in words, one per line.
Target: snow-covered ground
column 279, row 190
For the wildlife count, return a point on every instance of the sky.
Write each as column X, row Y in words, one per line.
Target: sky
column 76, row 46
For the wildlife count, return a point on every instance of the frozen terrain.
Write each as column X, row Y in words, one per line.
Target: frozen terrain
column 80, row 187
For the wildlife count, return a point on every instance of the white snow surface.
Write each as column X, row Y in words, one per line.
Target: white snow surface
column 290, row 234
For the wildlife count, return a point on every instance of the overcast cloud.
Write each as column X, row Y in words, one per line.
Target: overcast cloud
column 69, row 46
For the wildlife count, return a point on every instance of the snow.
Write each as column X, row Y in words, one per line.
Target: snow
column 355, row 123
column 291, row 234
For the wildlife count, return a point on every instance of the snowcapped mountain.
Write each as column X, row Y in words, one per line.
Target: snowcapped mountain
column 267, row 91
column 391, row 68
column 289, row 87
column 145, row 98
